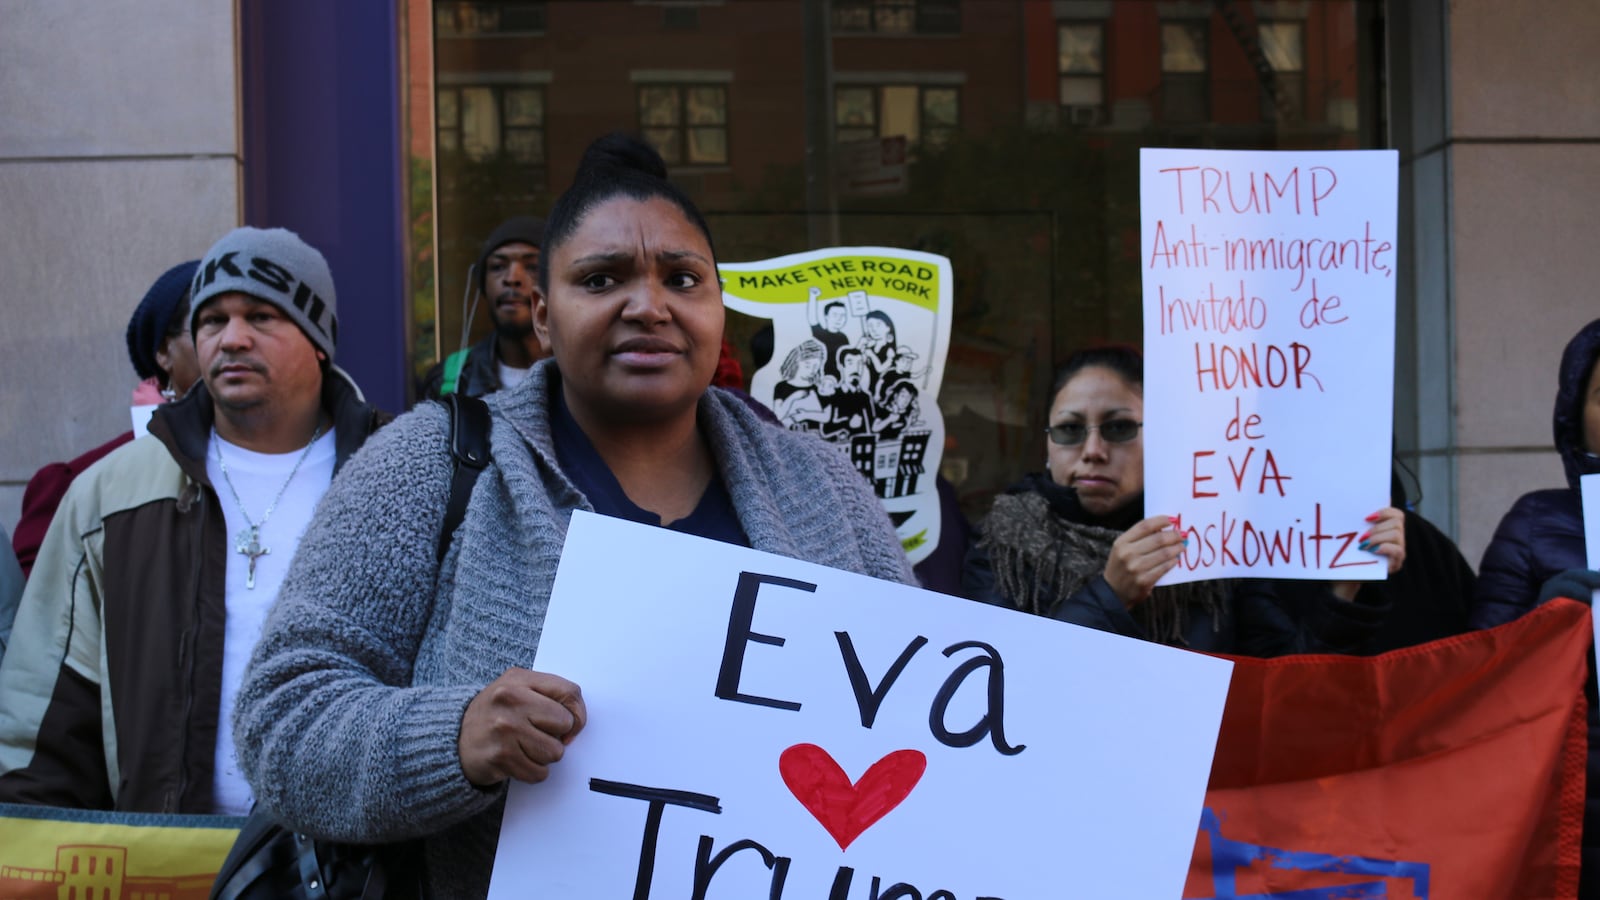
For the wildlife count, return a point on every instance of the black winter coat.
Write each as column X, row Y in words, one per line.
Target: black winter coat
column 1543, row 533
column 1541, row 536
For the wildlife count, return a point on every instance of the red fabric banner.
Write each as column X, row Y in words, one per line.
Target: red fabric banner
column 1451, row 769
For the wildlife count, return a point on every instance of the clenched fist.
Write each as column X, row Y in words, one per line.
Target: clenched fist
column 519, row 726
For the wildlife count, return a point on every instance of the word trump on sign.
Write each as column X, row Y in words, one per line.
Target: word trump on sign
column 1269, row 356
column 765, row 727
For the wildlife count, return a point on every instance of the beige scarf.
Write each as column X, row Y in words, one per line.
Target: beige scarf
column 1041, row 558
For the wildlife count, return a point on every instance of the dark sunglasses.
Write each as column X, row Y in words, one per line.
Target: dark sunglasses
column 1115, row 431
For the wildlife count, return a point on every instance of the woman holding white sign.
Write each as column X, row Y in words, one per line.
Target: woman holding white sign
column 389, row 698
column 1074, row 543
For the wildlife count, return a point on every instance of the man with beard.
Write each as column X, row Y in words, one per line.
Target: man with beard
column 161, row 563
column 849, row 406
column 505, row 274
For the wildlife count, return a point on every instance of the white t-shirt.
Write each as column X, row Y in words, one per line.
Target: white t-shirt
column 509, row 377
column 257, row 477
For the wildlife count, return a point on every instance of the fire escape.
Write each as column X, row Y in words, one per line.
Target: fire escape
column 1249, row 39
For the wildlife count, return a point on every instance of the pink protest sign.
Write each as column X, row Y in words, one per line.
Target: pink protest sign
column 1269, row 282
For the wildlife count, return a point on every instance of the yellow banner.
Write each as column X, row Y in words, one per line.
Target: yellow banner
column 913, row 281
column 52, row 853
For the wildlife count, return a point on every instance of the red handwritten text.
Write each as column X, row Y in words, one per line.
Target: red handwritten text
column 1254, row 191
column 1253, row 366
column 1242, row 542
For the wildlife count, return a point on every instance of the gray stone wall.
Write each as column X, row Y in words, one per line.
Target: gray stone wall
column 118, row 158
column 1524, row 147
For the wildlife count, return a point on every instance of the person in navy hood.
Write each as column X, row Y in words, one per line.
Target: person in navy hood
column 1542, row 535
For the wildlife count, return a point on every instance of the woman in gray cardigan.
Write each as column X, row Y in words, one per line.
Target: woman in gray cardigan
column 389, row 698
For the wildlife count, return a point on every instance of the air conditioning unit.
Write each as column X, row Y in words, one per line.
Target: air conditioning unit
column 1081, row 116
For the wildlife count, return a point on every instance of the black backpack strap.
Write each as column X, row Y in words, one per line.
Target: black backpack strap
column 469, row 451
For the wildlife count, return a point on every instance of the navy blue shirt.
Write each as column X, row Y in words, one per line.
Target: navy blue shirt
column 713, row 517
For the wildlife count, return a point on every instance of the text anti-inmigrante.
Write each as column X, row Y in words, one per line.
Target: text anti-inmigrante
column 1363, row 255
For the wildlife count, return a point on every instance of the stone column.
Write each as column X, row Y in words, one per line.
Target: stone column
column 119, row 157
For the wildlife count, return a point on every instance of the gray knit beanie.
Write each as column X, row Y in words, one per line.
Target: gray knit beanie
column 276, row 266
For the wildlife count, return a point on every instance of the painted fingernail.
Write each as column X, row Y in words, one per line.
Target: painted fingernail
column 1186, row 542
column 1362, row 546
column 1364, row 536
column 1177, row 522
column 1374, row 517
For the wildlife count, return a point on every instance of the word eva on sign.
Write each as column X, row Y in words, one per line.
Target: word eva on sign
column 868, row 696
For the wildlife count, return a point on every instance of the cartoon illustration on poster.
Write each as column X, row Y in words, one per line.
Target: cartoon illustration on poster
column 860, row 336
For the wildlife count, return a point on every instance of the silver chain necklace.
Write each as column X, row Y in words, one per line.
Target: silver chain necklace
column 248, row 541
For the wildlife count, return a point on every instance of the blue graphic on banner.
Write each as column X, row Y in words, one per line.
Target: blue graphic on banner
column 1229, row 856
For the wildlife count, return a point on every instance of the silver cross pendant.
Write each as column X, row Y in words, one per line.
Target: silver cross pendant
column 249, row 543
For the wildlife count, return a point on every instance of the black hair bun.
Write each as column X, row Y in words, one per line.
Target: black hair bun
column 618, row 152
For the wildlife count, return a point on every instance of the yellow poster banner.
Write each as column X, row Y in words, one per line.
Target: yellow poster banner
column 49, row 853
column 912, row 281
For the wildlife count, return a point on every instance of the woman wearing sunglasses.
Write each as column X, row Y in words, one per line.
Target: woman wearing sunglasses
column 1073, row 543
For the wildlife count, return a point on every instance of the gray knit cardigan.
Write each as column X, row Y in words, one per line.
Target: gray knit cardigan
column 348, row 718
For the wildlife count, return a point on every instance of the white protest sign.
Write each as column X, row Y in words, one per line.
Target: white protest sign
column 860, row 336
column 765, row 727
column 1269, row 356
column 1589, row 485
column 142, row 414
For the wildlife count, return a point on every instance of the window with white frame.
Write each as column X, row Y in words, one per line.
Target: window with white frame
column 1185, row 72
column 1283, row 43
column 484, row 122
column 923, row 114
column 1081, row 67
column 687, row 123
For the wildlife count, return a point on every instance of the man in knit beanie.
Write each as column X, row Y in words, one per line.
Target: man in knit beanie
column 272, row 266
column 505, row 274
column 153, row 581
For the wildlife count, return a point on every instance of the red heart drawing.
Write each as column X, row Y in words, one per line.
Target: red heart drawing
column 845, row 809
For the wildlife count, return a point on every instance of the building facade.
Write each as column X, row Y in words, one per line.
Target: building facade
column 393, row 134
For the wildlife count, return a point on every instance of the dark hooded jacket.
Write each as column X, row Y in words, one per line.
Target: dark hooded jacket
column 475, row 371
column 1541, row 536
